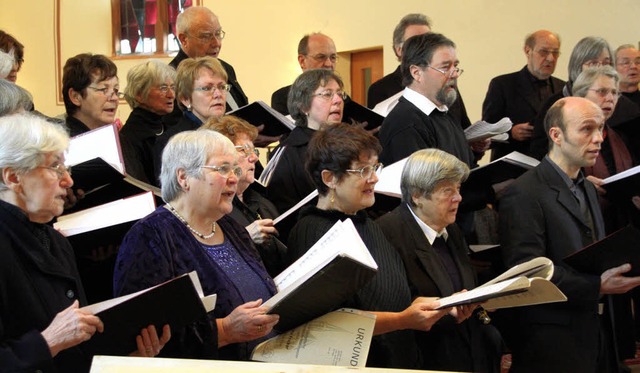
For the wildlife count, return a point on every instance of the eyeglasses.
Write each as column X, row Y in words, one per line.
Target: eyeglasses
column 628, row 62
column 596, row 63
column 367, row 171
column 246, row 150
column 226, row 170
column 208, row 37
column 449, row 71
column 328, row 95
column 209, row 90
column 108, row 93
column 604, row 92
column 59, row 169
column 165, row 88
column 323, row 57
column 544, row 53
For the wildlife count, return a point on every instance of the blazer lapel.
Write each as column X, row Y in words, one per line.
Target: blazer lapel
column 526, row 90
column 427, row 256
column 564, row 197
column 596, row 213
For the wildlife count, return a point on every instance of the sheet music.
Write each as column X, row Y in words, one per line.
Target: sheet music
column 303, row 202
column 384, row 107
column 101, row 142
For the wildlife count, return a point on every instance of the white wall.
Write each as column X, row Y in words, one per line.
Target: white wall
column 262, row 36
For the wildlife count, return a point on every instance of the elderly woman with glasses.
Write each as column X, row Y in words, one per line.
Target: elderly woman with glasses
column 150, row 92
column 589, row 52
column 41, row 325
column 201, row 90
column 193, row 232
column 342, row 161
column 316, row 100
column 250, row 208
column 90, row 89
column 434, row 252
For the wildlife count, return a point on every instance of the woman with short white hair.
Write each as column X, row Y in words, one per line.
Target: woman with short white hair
column 41, row 324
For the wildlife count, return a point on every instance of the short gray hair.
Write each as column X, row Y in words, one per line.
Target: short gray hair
column 189, row 150
column 588, row 48
column 411, row 19
column 143, row 76
column 623, row 47
column 13, row 98
column 588, row 76
column 185, row 19
column 302, row 90
column 6, row 63
column 26, row 140
column 425, row 169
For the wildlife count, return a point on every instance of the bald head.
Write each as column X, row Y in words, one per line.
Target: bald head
column 542, row 49
column 317, row 51
column 574, row 126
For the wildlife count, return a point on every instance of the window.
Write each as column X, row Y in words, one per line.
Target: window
column 146, row 26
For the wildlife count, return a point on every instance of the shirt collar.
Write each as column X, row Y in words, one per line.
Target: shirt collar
column 567, row 180
column 421, row 102
column 429, row 232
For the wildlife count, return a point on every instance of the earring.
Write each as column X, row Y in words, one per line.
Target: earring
column 333, row 198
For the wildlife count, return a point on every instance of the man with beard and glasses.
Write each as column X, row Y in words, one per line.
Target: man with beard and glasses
column 421, row 119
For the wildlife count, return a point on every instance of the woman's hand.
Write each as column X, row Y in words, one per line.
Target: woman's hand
column 71, row 327
column 245, row 323
column 598, row 183
column 422, row 315
column 261, row 230
column 149, row 345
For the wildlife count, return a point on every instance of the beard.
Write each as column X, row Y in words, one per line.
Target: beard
column 447, row 95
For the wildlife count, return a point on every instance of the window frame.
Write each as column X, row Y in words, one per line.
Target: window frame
column 161, row 31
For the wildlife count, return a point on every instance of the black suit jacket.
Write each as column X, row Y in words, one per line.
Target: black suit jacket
column 539, row 216
column 447, row 346
column 279, row 100
column 514, row 96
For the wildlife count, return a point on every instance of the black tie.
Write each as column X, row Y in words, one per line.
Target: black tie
column 440, row 245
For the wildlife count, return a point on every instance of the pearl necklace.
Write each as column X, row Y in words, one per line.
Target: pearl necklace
column 202, row 236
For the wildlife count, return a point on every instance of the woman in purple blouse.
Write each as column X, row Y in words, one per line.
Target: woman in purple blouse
column 199, row 178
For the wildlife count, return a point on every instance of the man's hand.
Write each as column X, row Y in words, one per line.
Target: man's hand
column 521, row 131
column 480, row 146
column 613, row 282
column 263, row 141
